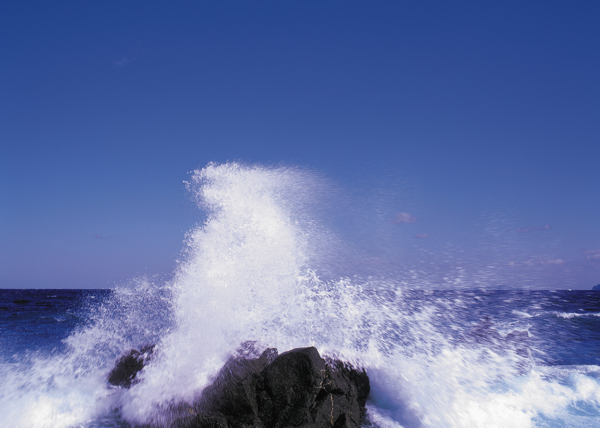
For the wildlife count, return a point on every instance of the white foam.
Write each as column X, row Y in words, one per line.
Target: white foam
column 569, row 315
column 522, row 314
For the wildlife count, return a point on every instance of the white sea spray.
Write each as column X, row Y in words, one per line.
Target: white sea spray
column 252, row 272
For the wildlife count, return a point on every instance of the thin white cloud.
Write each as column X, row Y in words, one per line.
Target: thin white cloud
column 422, row 236
column 593, row 257
column 537, row 261
column 532, row 229
column 404, row 218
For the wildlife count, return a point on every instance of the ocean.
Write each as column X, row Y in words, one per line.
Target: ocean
column 468, row 356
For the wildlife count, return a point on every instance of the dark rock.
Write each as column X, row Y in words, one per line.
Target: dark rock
column 233, row 394
column 596, row 287
column 297, row 388
column 128, row 366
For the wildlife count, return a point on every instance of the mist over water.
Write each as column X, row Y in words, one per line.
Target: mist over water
column 257, row 270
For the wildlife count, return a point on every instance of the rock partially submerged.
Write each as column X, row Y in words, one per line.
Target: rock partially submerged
column 295, row 389
column 128, row 366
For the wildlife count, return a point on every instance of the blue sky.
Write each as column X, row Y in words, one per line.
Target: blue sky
column 479, row 120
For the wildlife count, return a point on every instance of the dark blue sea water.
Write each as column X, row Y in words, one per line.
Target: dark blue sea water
column 254, row 271
column 37, row 321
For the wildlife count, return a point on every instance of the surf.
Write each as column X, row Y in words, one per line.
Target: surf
column 259, row 268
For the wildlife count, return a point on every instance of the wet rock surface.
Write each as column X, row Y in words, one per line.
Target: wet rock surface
column 128, row 366
column 295, row 389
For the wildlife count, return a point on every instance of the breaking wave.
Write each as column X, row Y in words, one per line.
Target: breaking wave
column 253, row 271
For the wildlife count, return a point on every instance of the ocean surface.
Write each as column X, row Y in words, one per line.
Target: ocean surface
column 461, row 357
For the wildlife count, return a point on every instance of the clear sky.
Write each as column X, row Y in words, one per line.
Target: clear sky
column 468, row 128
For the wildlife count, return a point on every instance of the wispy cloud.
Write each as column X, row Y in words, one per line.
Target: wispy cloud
column 131, row 56
column 422, row 236
column 404, row 218
column 98, row 236
column 531, row 229
column 537, row 261
column 593, row 256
